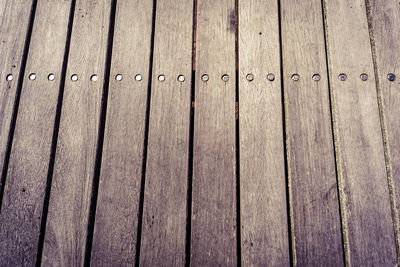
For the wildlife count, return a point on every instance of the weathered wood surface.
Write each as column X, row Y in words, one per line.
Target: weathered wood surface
column 384, row 21
column 264, row 222
column 316, row 232
column 214, row 233
column 166, row 184
column 368, row 227
column 29, row 161
column 115, row 232
column 13, row 32
column 67, row 221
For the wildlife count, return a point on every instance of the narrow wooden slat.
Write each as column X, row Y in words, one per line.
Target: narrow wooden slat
column 67, row 220
column 264, row 222
column 115, row 232
column 165, row 198
column 13, row 31
column 360, row 153
column 214, row 239
column 26, row 179
column 385, row 27
column 316, row 226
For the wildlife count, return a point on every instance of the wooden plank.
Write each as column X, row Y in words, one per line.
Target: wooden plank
column 115, row 231
column 214, row 238
column 29, row 160
column 316, row 231
column 13, row 31
column 264, row 222
column 165, row 198
column 384, row 21
column 67, row 221
column 361, row 162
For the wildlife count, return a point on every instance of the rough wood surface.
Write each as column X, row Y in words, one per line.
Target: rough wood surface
column 314, row 200
column 214, row 238
column 115, row 232
column 27, row 173
column 67, row 221
column 264, row 222
column 360, row 153
column 13, row 32
column 165, row 197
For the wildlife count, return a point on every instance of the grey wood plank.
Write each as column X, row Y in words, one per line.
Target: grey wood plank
column 368, row 223
column 27, row 173
column 384, row 18
column 264, row 222
column 316, row 229
column 13, row 31
column 166, row 184
column 214, row 238
column 115, row 231
column 67, row 221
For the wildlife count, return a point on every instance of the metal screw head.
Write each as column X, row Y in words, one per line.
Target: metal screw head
column 32, row 76
column 250, row 77
column 118, row 77
column 271, row 77
column 138, row 77
column 10, row 77
column 225, row 77
column 364, row 77
column 74, row 77
column 93, row 78
column 316, row 77
column 295, row 77
column 181, row 78
column 204, row 77
column 342, row 77
column 391, row 77
column 161, row 77
column 51, row 77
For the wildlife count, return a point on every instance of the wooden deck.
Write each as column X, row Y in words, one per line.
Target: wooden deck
column 199, row 132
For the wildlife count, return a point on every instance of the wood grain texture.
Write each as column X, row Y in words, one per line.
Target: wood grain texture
column 385, row 29
column 115, row 231
column 13, row 31
column 316, row 227
column 360, row 152
column 214, row 239
column 165, row 197
column 264, row 222
column 27, row 173
column 67, row 221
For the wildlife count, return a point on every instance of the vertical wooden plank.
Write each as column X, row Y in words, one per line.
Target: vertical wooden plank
column 360, row 153
column 67, row 221
column 115, row 232
column 384, row 19
column 165, row 197
column 316, row 225
column 264, row 222
column 214, row 160
column 27, row 172
column 13, row 32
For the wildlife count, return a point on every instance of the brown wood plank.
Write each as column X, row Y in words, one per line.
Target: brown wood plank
column 13, row 32
column 361, row 162
column 214, row 238
column 165, row 198
column 67, row 221
column 115, row 232
column 384, row 18
column 27, row 173
column 264, row 222
column 316, row 229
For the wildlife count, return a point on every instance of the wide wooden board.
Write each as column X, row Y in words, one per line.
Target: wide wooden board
column 263, row 207
column 368, row 226
column 29, row 160
column 316, row 231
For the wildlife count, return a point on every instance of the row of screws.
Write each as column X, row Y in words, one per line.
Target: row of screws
column 250, row 77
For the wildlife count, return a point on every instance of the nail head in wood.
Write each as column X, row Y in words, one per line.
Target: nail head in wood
column 32, row 76
column 295, row 77
column 181, row 78
column 364, row 77
column 225, row 77
column 10, row 77
column 205, row 77
column 51, row 77
column 316, row 77
column 271, row 77
column 342, row 77
column 391, row 77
